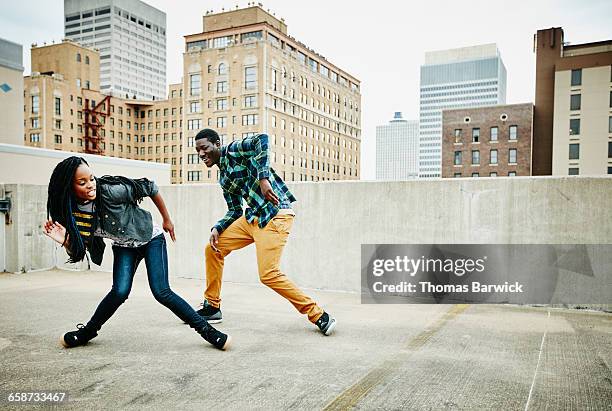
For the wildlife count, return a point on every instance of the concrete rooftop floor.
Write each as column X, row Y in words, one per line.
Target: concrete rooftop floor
column 415, row 357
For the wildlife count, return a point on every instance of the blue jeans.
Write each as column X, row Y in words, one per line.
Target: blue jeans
column 124, row 267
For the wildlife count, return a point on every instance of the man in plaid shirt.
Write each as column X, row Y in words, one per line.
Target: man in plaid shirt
column 245, row 174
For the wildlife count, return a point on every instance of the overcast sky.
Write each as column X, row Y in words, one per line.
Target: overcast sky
column 381, row 43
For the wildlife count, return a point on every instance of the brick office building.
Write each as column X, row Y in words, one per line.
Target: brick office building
column 487, row 141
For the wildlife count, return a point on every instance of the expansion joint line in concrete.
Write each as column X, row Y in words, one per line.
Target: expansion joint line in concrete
column 350, row 397
column 535, row 373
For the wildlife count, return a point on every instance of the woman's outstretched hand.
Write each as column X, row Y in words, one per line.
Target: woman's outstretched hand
column 55, row 231
column 168, row 227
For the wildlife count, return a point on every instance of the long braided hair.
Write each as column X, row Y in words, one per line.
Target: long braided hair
column 61, row 202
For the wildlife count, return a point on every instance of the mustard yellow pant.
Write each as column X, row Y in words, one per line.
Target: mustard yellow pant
column 269, row 242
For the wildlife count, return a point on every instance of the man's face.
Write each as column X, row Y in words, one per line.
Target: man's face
column 208, row 152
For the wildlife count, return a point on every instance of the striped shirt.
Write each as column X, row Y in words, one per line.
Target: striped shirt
column 242, row 164
column 84, row 219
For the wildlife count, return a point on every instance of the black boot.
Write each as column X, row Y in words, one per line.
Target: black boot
column 215, row 337
column 79, row 337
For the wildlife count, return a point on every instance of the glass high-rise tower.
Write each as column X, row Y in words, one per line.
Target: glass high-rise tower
column 131, row 38
column 450, row 79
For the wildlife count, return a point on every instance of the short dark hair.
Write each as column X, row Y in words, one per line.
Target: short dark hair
column 209, row 134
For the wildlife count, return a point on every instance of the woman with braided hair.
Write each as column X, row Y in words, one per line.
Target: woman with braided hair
column 83, row 209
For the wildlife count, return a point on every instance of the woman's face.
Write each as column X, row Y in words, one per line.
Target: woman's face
column 84, row 184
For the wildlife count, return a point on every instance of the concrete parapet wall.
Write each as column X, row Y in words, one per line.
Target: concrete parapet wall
column 335, row 218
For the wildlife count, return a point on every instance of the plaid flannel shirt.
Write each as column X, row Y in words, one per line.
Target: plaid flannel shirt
column 242, row 164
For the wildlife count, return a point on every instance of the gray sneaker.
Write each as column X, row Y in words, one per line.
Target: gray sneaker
column 209, row 313
column 326, row 324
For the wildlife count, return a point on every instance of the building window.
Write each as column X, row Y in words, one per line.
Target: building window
column 609, row 170
column 457, row 175
column 250, row 78
column 195, row 85
column 475, row 157
column 221, row 42
column 222, row 104
column 492, row 174
column 574, row 151
column 58, row 106
column 78, row 57
column 194, row 175
column 35, row 123
column 249, row 119
column 610, row 124
column 274, row 80
column 512, row 156
column 457, row 135
column 194, row 107
column 86, row 59
column 575, row 102
column 194, row 124
column 493, row 156
column 574, row 126
column 221, row 122
column 193, row 159
column 576, row 77
column 35, row 104
column 35, row 137
column 475, row 135
column 609, row 149
column 573, row 171
column 221, row 86
column 513, row 132
column 222, row 68
column 494, row 133
column 250, row 101
column 511, row 173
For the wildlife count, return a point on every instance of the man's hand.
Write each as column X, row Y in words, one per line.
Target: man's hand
column 55, row 231
column 168, row 227
column 268, row 193
column 214, row 239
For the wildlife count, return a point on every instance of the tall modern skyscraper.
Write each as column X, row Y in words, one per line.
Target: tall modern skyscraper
column 131, row 38
column 451, row 79
column 397, row 149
